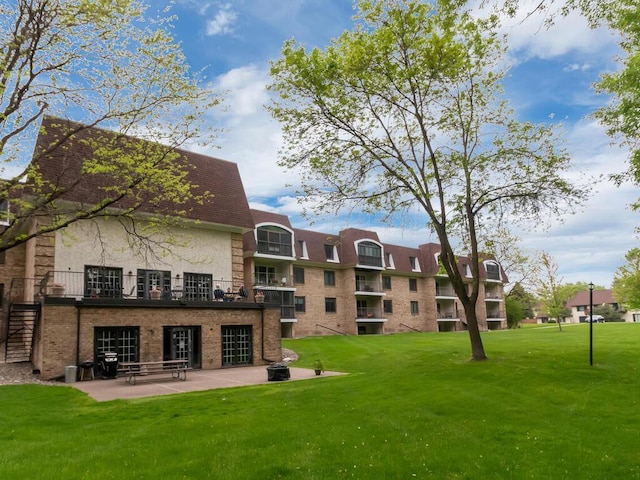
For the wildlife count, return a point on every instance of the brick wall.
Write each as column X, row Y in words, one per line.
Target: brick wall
column 57, row 336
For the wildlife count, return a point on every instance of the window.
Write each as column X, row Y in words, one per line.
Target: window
column 148, row 280
column 104, row 282
column 4, row 212
column 467, row 270
column 413, row 284
column 330, row 305
column 388, row 306
column 493, row 271
column 414, row 308
column 370, row 254
column 300, row 304
column 330, row 252
column 265, row 274
column 415, row 266
column 386, row 282
column 580, row 308
column 274, row 240
column 389, row 260
column 302, row 246
column 3, row 257
column 197, row 286
column 122, row 340
column 298, row 276
column 329, row 278
column 237, row 345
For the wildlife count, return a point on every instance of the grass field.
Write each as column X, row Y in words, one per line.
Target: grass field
column 412, row 406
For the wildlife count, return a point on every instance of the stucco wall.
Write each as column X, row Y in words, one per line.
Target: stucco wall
column 105, row 243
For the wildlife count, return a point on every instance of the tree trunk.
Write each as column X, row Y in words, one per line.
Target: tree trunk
column 477, row 348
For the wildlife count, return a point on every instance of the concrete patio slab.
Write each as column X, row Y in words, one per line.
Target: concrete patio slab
column 197, row 380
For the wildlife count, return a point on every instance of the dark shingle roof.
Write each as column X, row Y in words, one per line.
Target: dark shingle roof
column 228, row 205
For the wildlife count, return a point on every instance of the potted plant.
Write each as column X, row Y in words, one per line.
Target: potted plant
column 155, row 293
column 259, row 297
column 318, row 367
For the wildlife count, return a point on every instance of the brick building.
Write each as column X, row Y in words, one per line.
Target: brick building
column 84, row 290
column 352, row 283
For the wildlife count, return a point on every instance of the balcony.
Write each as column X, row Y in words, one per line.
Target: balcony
column 127, row 287
column 445, row 292
column 368, row 287
column 447, row 314
column 369, row 314
column 279, row 278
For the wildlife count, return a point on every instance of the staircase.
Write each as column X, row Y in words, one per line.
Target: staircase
column 20, row 331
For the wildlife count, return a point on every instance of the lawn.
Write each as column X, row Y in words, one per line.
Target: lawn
column 412, row 406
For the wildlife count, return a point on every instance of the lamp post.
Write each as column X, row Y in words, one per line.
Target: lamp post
column 590, row 323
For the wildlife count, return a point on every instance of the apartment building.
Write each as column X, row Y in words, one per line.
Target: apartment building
column 352, row 283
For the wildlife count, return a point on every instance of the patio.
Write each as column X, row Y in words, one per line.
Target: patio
column 197, row 380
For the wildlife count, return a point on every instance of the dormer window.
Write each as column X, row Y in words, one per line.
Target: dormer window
column 467, row 270
column 415, row 265
column 274, row 240
column 302, row 246
column 331, row 252
column 389, row 261
column 493, row 271
column 370, row 254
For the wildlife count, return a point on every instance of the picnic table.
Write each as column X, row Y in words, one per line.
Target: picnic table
column 132, row 370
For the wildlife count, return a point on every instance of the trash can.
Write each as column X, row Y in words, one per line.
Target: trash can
column 277, row 371
column 109, row 364
column 70, row 374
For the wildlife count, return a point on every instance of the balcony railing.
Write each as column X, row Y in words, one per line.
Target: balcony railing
column 447, row 315
column 368, row 313
column 278, row 279
column 372, row 286
column 128, row 287
column 445, row 292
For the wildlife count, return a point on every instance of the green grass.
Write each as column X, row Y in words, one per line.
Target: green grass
column 413, row 406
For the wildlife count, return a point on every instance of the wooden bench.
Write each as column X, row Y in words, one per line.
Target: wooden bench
column 132, row 370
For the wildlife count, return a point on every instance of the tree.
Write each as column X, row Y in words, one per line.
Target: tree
column 515, row 312
column 609, row 313
column 550, row 292
column 524, row 298
column 621, row 115
column 405, row 112
column 626, row 281
column 104, row 64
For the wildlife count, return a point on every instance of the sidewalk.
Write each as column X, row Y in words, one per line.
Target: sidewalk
column 197, row 380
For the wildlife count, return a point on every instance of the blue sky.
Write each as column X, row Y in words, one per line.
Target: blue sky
column 550, row 81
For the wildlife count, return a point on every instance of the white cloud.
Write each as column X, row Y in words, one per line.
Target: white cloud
column 222, row 23
column 246, row 87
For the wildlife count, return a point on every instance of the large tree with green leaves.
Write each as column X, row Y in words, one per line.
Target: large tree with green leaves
column 626, row 281
column 406, row 112
column 103, row 64
column 621, row 115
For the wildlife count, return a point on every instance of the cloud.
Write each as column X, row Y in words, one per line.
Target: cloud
column 573, row 67
column 222, row 23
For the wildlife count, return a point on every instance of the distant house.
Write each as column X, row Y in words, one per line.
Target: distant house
column 581, row 303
